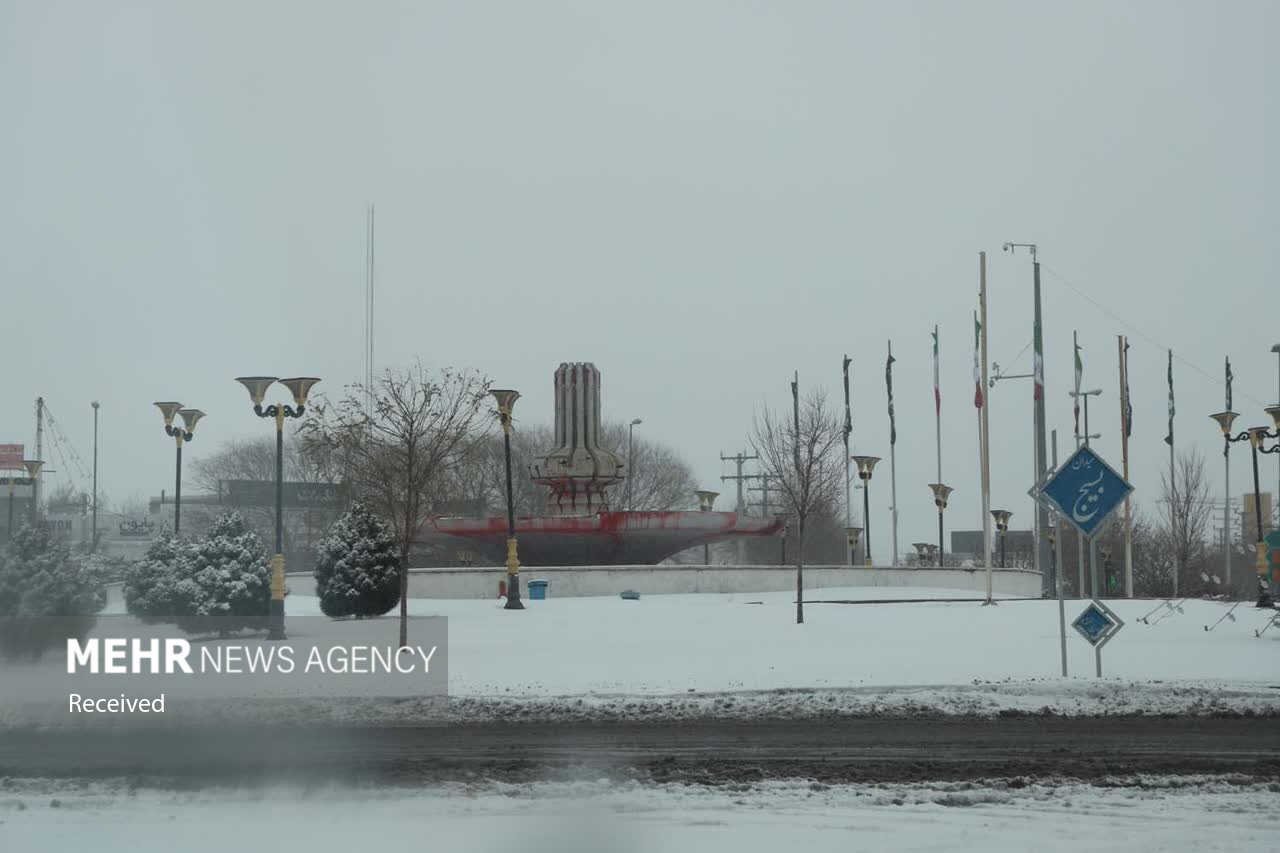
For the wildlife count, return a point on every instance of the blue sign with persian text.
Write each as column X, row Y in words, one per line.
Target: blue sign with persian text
column 1093, row 624
column 1086, row 491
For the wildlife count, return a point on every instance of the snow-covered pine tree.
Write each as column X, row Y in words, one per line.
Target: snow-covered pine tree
column 225, row 582
column 149, row 587
column 358, row 566
column 46, row 596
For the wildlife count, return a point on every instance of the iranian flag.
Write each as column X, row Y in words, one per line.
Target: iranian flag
column 1079, row 376
column 977, row 369
column 937, row 388
column 1039, row 366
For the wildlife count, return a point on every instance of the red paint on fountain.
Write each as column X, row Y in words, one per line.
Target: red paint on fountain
column 607, row 538
column 579, row 528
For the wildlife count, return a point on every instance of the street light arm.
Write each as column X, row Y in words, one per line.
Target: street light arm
column 275, row 410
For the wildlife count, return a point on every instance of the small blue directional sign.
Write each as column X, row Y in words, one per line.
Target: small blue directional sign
column 1093, row 624
column 1086, row 491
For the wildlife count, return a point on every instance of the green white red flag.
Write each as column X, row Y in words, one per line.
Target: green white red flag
column 937, row 387
column 977, row 369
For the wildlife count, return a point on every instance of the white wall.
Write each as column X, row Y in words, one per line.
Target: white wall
column 573, row 581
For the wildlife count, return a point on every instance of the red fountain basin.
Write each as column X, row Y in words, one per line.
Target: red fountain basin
column 603, row 539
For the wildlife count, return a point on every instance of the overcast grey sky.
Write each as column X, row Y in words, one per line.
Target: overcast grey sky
column 699, row 197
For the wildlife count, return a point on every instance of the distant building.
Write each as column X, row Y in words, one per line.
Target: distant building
column 1019, row 547
column 19, row 505
column 1249, row 517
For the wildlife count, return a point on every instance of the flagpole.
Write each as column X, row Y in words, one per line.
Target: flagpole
column 1075, row 346
column 1041, row 514
column 848, row 495
column 985, row 430
column 1173, row 488
column 978, row 395
column 893, row 465
column 937, row 402
column 1123, row 345
column 1226, row 509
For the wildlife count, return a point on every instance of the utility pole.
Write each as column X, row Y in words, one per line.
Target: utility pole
column 1093, row 576
column 740, row 459
column 766, row 508
column 35, row 481
column 1041, row 440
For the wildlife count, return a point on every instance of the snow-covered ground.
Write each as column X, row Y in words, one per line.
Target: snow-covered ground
column 1174, row 814
column 737, row 655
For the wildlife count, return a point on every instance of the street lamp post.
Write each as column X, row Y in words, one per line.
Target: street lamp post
column 1275, row 349
column 706, row 500
column 1255, row 436
column 33, row 467
column 180, row 435
column 1002, row 517
column 631, row 468
column 852, row 535
column 9, row 530
column 299, row 387
column 506, row 401
column 940, row 495
column 866, row 464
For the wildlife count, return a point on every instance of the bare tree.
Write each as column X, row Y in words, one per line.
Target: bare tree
column 397, row 457
column 801, row 456
column 254, row 459
column 660, row 478
column 1187, row 510
column 135, row 506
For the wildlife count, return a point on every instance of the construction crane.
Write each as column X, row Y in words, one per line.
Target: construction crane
column 72, row 465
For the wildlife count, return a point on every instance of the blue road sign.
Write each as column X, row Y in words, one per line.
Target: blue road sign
column 1086, row 491
column 1093, row 624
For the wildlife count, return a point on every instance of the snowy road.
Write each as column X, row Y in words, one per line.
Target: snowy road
column 1196, row 814
column 836, row 750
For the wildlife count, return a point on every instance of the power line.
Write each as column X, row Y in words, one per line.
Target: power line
column 1134, row 329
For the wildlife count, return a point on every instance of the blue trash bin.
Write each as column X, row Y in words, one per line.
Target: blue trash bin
column 537, row 590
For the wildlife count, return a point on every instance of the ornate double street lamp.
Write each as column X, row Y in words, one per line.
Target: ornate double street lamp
column 299, row 387
column 866, row 464
column 706, row 500
column 940, row 494
column 181, row 435
column 1002, row 517
column 1255, row 436
column 506, row 400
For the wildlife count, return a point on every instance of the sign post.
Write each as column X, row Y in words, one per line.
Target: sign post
column 1085, row 492
column 11, row 456
column 1098, row 624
